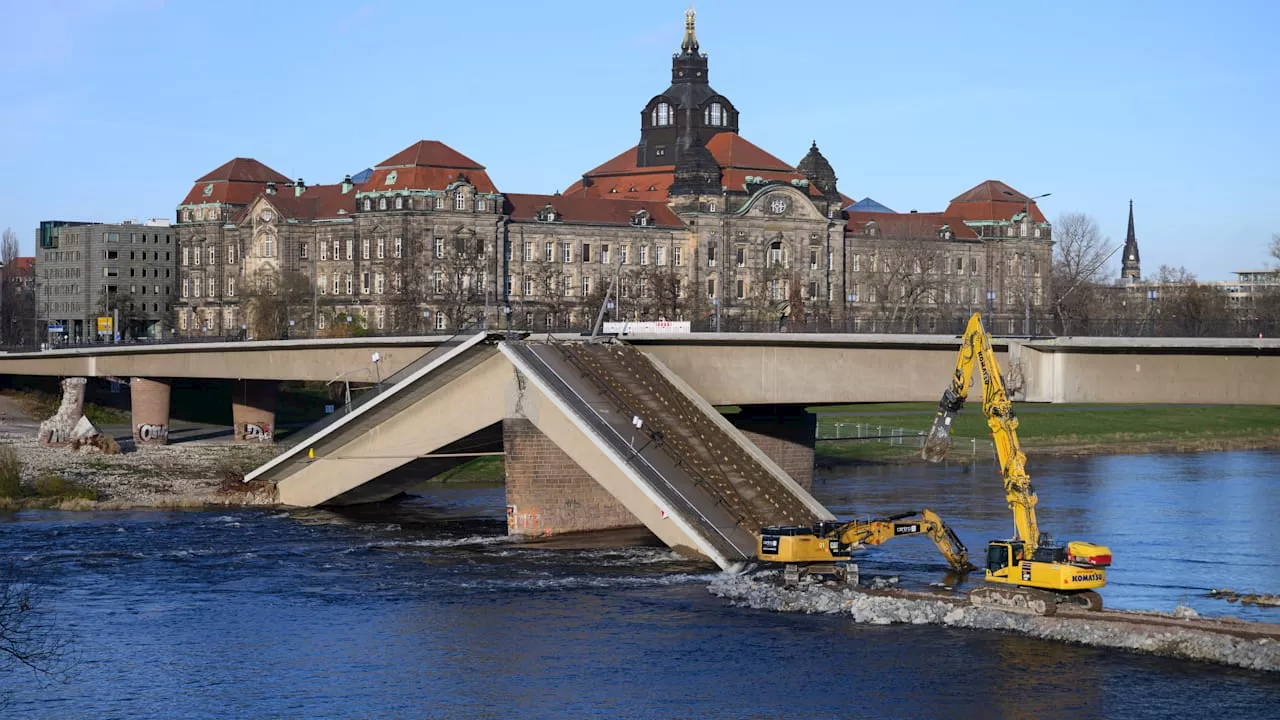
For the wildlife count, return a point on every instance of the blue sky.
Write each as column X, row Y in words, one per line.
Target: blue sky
column 112, row 108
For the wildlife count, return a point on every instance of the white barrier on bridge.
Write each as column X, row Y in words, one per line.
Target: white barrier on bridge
column 659, row 327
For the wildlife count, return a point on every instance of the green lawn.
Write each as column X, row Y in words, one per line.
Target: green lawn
column 1063, row 427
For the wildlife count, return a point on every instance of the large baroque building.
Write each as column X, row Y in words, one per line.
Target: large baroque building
column 692, row 222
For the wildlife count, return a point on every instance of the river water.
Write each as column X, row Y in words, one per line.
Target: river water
column 427, row 610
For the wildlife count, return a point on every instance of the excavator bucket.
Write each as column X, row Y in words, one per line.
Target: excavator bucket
column 938, row 441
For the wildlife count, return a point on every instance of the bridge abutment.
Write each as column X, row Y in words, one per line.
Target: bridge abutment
column 785, row 433
column 149, row 410
column 253, row 410
column 548, row 493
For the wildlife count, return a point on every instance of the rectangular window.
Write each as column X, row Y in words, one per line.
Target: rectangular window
column 742, row 289
column 231, row 287
column 324, row 251
column 604, row 254
column 398, row 250
column 644, row 254
column 364, row 249
column 677, row 255
column 568, row 287
column 323, row 283
column 459, row 201
column 813, row 258
column 322, row 321
column 351, row 246
column 186, row 287
column 195, row 256
column 659, row 255
column 382, row 248
column 586, row 286
column 364, row 283
column 566, row 252
column 741, row 259
column 813, row 291
column 437, row 281
column 586, row 252
column 395, row 282
column 337, row 249
column 440, row 319
column 195, row 286
column 439, row 248
column 380, row 284
column 349, row 284
column 381, row 316
column 337, row 283
column 711, row 256
column 624, row 251
column 528, row 285
column 549, row 252
column 302, row 252
column 711, row 287
column 110, row 272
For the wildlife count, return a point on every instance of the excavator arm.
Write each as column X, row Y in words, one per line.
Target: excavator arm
column 975, row 349
column 924, row 522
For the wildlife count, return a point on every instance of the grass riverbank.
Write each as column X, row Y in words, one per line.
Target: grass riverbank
column 1055, row 429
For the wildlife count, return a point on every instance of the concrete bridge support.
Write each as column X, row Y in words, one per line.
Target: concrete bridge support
column 149, row 410
column 548, row 493
column 785, row 433
column 253, row 410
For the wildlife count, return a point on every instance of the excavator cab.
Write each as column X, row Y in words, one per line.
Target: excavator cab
column 1003, row 553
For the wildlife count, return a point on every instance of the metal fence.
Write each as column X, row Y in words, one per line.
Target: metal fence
column 886, row 434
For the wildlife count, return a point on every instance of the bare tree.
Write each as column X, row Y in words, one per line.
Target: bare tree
column 1274, row 249
column 29, row 638
column 8, row 246
column 271, row 301
column 903, row 278
column 1078, row 271
column 15, row 302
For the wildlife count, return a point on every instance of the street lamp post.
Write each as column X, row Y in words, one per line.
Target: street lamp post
column 1026, row 233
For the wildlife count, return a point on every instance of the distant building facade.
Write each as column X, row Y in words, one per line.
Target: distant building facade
column 692, row 222
column 83, row 271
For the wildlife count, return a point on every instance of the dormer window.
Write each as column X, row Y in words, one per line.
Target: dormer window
column 479, row 204
column 547, row 214
column 459, row 201
column 399, row 203
column 382, row 203
column 641, row 218
column 439, row 202
column 714, row 115
column 662, row 115
column 368, row 204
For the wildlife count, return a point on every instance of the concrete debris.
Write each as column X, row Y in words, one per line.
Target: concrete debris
column 763, row 591
column 1261, row 600
column 1182, row 611
column 881, row 583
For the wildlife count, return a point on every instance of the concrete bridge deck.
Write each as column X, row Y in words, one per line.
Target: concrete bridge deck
column 647, row 448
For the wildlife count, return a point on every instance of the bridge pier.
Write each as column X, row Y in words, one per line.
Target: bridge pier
column 253, row 410
column 149, row 410
column 785, row 433
column 548, row 493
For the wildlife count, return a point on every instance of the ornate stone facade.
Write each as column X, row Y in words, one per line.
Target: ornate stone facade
column 693, row 222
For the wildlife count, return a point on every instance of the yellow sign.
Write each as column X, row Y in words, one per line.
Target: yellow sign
column 104, row 326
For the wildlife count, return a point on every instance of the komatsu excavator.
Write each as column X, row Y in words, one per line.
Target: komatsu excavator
column 823, row 550
column 1030, row 572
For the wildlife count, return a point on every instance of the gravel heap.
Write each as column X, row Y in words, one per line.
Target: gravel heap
column 185, row 475
column 763, row 591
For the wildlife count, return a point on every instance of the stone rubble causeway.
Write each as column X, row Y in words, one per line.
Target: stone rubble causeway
column 1183, row 634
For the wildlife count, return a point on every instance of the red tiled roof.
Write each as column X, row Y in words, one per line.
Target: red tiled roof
column 731, row 150
column 243, row 170
column 426, row 178
column 991, row 200
column 317, row 202
column 910, row 225
column 235, row 193
column 23, row 265
column 430, row 153
column 736, row 156
column 589, row 210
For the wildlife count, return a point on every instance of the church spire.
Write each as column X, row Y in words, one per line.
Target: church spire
column 689, row 46
column 1129, row 268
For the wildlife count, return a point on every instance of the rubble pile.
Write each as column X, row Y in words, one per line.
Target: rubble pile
column 762, row 591
column 1259, row 599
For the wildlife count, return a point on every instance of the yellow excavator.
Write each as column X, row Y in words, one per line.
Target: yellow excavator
column 1030, row 572
column 823, row 551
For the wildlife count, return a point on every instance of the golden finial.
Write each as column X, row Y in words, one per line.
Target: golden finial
column 690, row 42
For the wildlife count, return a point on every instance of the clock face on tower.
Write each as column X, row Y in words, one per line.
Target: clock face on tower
column 268, row 216
column 778, row 205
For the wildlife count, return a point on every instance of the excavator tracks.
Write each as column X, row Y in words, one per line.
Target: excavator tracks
column 1025, row 601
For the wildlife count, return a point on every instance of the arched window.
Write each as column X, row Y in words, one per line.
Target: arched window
column 399, row 203
column 715, row 115
column 382, row 203
column 776, row 256
column 662, row 115
column 368, row 204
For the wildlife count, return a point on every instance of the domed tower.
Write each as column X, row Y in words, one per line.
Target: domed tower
column 689, row 104
column 819, row 172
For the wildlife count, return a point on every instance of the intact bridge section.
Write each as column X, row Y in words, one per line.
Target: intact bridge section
column 596, row 434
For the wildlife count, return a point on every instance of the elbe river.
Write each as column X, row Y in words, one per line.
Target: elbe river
column 425, row 609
